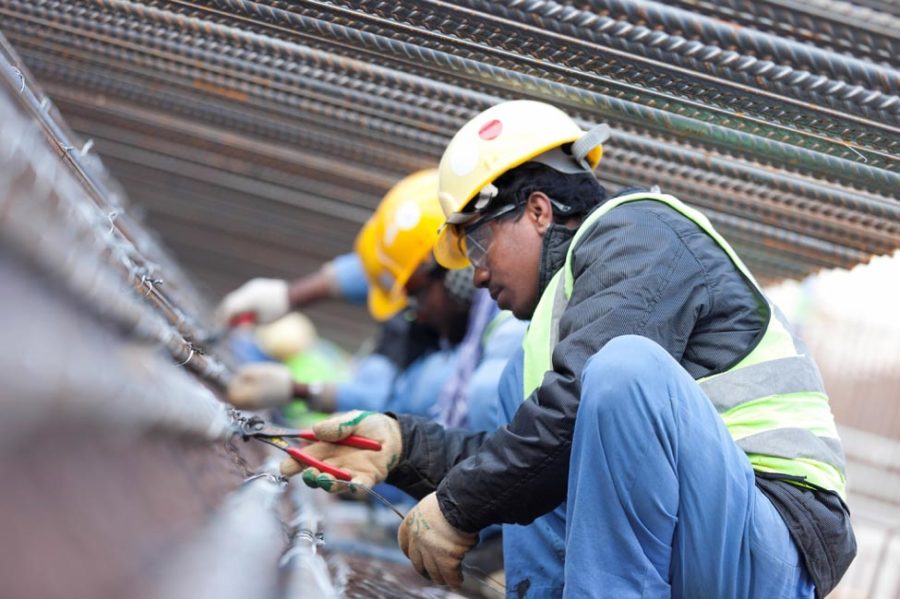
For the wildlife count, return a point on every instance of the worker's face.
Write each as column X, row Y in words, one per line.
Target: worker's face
column 510, row 266
column 434, row 307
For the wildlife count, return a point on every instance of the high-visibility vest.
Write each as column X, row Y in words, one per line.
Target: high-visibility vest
column 772, row 400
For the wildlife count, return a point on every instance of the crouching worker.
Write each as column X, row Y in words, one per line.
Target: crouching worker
column 671, row 436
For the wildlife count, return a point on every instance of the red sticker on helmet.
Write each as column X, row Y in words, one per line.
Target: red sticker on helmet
column 490, row 130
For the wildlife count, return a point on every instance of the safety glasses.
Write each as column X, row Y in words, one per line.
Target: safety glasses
column 478, row 237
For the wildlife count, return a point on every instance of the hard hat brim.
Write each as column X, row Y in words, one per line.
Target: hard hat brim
column 447, row 250
column 383, row 306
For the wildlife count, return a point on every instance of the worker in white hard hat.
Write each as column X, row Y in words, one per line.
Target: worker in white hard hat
column 667, row 434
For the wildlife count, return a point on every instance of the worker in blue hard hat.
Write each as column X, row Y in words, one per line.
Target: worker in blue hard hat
column 667, row 434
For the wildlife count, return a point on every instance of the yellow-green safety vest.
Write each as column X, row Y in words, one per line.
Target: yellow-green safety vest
column 772, row 401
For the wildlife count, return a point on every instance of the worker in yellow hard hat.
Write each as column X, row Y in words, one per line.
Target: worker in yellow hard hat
column 391, row 264
column 667, row 434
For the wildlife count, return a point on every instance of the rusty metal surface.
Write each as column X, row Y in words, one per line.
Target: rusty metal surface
column 123, row 473
column 257, row 135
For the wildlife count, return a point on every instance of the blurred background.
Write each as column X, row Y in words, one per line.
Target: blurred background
column 156, row 154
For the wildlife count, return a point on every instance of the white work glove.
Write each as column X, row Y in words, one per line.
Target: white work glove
column 261, row 385
column 267, row 299
column 432, row 544
column 366, row 467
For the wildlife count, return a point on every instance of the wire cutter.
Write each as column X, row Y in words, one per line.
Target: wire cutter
column 257, row 428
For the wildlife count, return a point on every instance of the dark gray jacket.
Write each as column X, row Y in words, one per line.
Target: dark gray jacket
column 643, row 269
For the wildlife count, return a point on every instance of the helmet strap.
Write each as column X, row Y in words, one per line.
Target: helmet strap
column 582, row 146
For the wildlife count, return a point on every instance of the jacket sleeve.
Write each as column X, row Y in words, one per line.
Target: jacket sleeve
column 429, row 451
column 633, row 274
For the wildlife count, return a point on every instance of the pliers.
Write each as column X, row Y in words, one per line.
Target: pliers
column 257, row 428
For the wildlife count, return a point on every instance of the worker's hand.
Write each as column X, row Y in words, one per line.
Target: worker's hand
column 432, row 544
column 266, row 299
column 259, row 386
column 366, row 467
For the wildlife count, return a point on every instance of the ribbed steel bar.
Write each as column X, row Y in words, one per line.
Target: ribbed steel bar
column 68, row 367
column 837, row 24
column 102, row 189
column 305, row 220
column 143, row 27
column 784, row 244
column 790, row 64
column 716, row 135
column 264, row 97
column 879, row 213
column 472, row 31
column 701, row 187
column 883, row 6
column 143, row 271
column 888, row 221
column 651, row 147
column 354, row 207
column 359, row 183
column 610, row 163
column 241, row 543
column 194, row 105
column 748, row 233
column 191, row 57
column 708, row 102
column 57, row 218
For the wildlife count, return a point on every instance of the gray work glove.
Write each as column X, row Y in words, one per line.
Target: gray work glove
column 260, row 386
column 366, row 467
column 266, row 299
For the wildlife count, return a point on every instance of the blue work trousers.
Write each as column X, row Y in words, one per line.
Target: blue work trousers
column 661, row 502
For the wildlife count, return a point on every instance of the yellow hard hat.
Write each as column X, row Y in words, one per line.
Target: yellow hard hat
column 397, row 238
column 497, row 140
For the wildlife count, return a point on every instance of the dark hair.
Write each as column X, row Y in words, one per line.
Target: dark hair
column 579, row 193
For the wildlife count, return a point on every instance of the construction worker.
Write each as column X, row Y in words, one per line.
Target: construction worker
column 671, row 437
column 400, row 342
column 392, row 255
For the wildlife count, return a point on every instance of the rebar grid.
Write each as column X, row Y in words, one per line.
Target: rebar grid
column 303, row 75
column 839, row 26
column 56, row 212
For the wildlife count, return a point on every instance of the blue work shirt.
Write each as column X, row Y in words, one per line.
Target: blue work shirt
column 416, row 388
column 351, row 278
column 533, row 555
column 501, row 343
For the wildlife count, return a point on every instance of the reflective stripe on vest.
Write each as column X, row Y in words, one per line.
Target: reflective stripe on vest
column 772, row 401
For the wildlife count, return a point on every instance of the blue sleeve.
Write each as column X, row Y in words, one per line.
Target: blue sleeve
column 351, row 278
column 418, row 386
column 370, row 386
column 510, row 388
column 485, row 411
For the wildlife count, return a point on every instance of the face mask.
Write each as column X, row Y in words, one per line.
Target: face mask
column 459, row 285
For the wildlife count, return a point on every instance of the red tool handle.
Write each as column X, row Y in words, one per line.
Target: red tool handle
column 351, row 441
column 242, row 319
column 317, row 464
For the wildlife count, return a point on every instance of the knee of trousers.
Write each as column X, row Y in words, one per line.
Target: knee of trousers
column 627, row 366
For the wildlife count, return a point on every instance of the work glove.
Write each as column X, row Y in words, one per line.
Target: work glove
column 266, row 299
column 432, row 544
column 259, row 386
column 366, row 467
